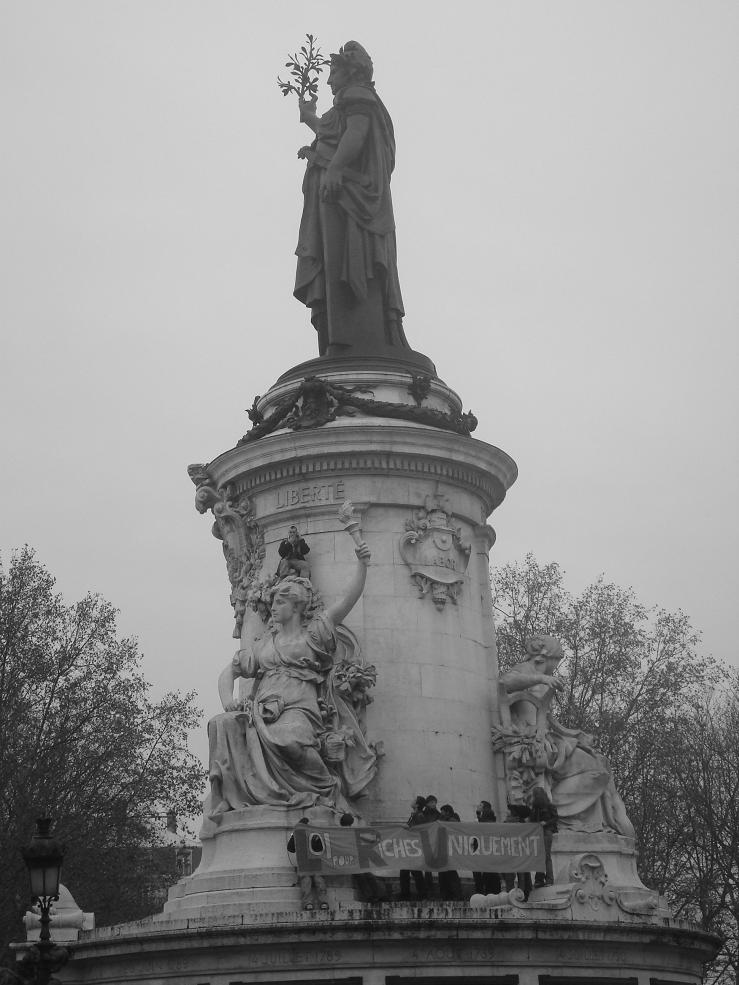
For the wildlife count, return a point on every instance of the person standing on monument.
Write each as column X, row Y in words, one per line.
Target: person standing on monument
column 293, row 550
column 310, row 884
column 450, row 885
column 430, row 814
column 486, row 882
column 419, row 879
column 366, row 883
column 347, row 270
column 517, row 814
column 544, row 812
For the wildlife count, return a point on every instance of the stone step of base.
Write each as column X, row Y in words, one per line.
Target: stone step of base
column 253, row 899
column 214, row 911
column 242, row 879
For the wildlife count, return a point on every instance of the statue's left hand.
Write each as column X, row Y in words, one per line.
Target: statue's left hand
column 363, row 552
column 331, row 180
column 308, row 108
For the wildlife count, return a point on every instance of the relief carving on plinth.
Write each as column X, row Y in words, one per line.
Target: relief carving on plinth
column 434, row 550
column 590, row 880
column 236, row 527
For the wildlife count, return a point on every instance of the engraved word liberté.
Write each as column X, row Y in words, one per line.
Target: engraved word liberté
column 307, row 495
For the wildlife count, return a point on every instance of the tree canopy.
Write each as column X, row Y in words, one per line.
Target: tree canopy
column 666, row 716
column 82, row 739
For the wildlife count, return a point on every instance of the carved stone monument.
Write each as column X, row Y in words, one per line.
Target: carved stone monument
column 353, row 517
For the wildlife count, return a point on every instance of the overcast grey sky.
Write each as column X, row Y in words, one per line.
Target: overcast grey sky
column 568, row 228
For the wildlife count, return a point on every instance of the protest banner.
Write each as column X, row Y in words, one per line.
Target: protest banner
column 437, row 846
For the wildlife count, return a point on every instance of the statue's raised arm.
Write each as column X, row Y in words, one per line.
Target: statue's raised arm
column 343, row 606
column 543, row 653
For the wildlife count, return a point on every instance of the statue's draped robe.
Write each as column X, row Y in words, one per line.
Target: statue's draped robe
column 347, row 261
column 271, row 756
column 580, row 777
column 583, row 790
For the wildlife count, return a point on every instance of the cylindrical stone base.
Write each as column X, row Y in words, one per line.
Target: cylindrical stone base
column 423, row 496
column 393, row 946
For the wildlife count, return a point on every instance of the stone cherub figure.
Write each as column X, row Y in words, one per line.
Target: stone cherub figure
column 540, row 752
column 347, row 264
column 266, row 749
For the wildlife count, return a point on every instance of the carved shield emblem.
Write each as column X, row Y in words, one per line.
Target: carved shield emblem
column 442, row 539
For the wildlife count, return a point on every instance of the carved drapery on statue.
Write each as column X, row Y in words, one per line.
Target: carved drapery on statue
column 541, row 752
column 434, row 551
column 295, row 736
column 344, row 700
column 299, row 738
column 269, row 753
column 347, row 260
column 236, row 527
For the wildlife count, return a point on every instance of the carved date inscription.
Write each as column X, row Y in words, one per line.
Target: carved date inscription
column 276, row 959
column 310, row 494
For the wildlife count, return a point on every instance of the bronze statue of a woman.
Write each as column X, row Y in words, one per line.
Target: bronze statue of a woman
column 347, row 263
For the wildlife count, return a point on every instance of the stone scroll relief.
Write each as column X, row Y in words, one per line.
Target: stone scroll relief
column 584, row 888
column 236, row 527
column 434, row 550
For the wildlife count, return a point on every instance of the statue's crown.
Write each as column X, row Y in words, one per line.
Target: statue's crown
column 355, row 57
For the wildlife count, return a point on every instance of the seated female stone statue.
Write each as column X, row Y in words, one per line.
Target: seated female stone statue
column 542, row 752
column 266, row 750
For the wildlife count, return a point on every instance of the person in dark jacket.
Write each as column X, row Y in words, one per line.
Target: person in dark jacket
column 310, row 884
column 450, row 886
column 486, row 882
column 367, row 884
column 292, row 551
column 518, row 814
column 430, row 813
column 417, row 817
column 544, row 812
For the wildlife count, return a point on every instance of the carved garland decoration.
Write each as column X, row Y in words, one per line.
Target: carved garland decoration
column 315, row 402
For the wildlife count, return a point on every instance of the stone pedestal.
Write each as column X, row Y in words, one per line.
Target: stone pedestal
column 430, row 638
column 246, row 870
column 422, row 496
column 392, row 443
column 394, row 945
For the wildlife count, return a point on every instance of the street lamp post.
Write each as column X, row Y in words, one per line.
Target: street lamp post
column 43, row 858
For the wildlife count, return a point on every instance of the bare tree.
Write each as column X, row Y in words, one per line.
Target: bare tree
column 667, row 718
column 706, row 772
column 82, row 739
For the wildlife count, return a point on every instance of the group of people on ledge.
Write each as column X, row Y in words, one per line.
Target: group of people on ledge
column 424, row 810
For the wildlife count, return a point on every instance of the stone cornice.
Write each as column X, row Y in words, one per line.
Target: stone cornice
column 400, row 924
column 345, row 449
